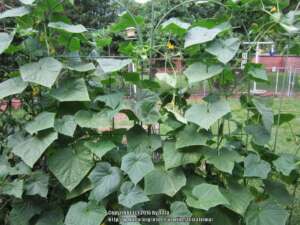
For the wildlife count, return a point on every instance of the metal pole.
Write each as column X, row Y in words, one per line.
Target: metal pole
column 256, row 61
column 277, row 79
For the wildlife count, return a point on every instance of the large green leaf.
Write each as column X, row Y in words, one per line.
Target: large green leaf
column 238, row 196
column 68, row 27
column 178, row 210
column 107, row 65
column 168, row 79
column 137, row 165
column 260, row 135
column 190, row 136
column 199, row 71
column 37, row 184
column 200, row 35
column 266, row 213
column 224, row 159
column 89, row 119
column 278, row 192
column 131, row 195
column 105, row 180
column 100, row 148
column 257, row 72
column 168, row 182
column 23, row 211
column 43, row 121
column 256, row 167
column 15, row 12
column 224, row 50
column 206, row 114
column 66, row 125
column 285, row 164
column 32, row 148
column 175, row 26
column 43, row 72
column 85, row 213
column 111, row 100
column 13, row 188
column 71, row 91
column 221, row 216
column 266, row 114
column 174, row 158
column 205, row 196
column 70, row 166
column 140, row 141
column 5, row 41
column 53, row 217
column 12, row 86
column 145, row 107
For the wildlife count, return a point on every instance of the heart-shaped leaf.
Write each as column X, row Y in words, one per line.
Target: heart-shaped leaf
column 200, row 35
column 12, row 86
column 70, row 166
column 131, row 195
column 85, row 213
column 105, row 180
column 174, row 158
column 205, row 196
column 137, row 165
column 224, row 159
column 71, row 91
column 265, row 213
column 224, row 50
column 100, row 148
column 43, row 72
column 168, row 182
column 206, row 114
column 32, row 148
column 256, row 167
column 199, row 71
column 66, row 125
column 285, row 164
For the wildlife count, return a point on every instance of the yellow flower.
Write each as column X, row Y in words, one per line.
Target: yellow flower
column 35, row 91
column 170, row 45
column 274, row 9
